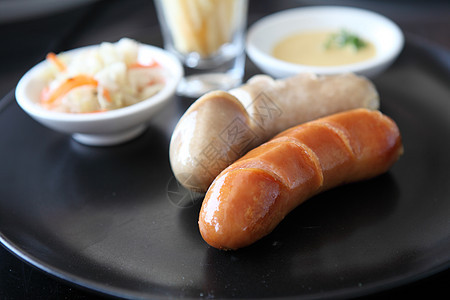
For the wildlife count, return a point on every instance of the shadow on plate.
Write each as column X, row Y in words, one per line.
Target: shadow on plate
column 322, row 235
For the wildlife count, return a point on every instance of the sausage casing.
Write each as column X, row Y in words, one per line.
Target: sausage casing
column 251, row 197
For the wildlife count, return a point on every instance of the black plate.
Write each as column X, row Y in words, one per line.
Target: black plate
column 114, row 220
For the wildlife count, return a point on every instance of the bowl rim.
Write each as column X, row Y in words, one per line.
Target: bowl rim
column 265, row 58
column 167, row 60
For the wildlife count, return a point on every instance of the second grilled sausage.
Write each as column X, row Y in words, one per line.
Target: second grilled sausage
column 251, row 197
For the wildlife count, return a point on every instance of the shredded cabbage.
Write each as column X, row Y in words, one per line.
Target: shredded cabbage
column 119, row 79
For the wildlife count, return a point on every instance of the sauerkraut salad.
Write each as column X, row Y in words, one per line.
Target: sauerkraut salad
column 99, row 79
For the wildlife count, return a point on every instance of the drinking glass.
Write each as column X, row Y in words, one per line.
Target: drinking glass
column 208, row 38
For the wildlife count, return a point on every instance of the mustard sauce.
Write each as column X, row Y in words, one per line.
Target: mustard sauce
column 314, row 49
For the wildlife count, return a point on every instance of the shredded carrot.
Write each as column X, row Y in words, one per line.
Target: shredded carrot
column 55, row 59
column 153, row 64
column 67, row 86
column 107, row 95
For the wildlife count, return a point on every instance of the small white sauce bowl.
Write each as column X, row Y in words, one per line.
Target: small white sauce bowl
column 266, row 33
column 103, row 128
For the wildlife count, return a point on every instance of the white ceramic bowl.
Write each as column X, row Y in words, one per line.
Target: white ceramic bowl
column 105, row 128
column 267, row 32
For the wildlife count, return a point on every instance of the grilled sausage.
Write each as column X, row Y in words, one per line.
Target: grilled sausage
column 221, row 126
column 251, row 197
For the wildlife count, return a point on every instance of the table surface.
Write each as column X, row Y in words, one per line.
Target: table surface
column 28, row 36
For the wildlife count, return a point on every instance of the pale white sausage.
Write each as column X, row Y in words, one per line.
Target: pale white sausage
column 220, row 126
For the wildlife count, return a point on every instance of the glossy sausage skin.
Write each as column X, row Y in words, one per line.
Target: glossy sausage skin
column 251, row 197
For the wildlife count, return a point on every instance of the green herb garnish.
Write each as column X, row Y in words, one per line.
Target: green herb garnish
column 343, row 39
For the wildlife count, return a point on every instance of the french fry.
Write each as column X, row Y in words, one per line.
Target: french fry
column 201, row 26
